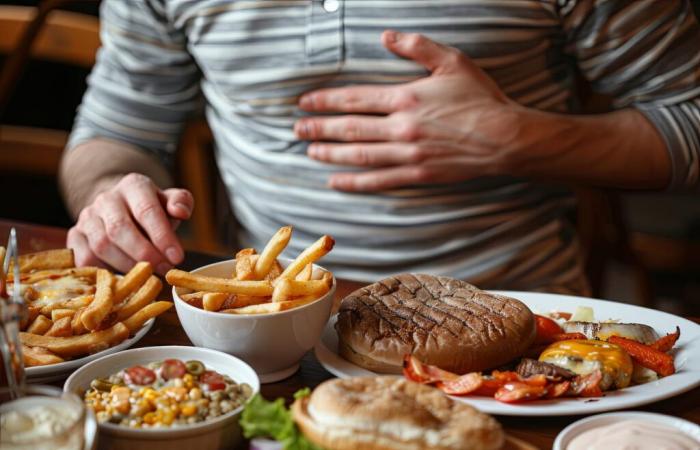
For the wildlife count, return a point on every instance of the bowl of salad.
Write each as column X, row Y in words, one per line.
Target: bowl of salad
column 172, row 396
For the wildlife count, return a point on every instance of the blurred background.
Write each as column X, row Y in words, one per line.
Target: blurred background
column 641, row 248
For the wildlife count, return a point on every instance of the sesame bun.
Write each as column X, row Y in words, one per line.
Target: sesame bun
column 392, row 413
column 442, row 321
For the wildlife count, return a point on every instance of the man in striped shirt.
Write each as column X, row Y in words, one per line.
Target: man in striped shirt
column 440, row 147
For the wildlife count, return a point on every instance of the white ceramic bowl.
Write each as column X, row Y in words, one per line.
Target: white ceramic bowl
column 273, row 344
column 219, row 433
column 567, row 434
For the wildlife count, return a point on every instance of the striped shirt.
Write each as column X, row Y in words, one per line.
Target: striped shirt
column 249, row 61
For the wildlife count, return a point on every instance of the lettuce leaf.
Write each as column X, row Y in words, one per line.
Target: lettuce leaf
column 262, row 418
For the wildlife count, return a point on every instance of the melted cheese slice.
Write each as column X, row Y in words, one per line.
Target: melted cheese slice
column 53, row 290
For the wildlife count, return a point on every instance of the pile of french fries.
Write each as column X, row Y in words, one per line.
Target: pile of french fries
column 91, row 311
column 259, row 284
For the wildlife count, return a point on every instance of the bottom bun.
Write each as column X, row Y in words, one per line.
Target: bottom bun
column 392, row 413
column 366, row 362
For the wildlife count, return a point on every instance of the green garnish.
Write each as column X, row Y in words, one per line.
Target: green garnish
column 262, row 418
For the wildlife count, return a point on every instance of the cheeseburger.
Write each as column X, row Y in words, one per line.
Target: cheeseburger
column 442, row 321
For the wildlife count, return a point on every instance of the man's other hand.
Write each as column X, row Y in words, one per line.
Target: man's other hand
column 132, row 221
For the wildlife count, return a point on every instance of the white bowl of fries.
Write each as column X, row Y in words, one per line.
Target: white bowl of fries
column 265, row 310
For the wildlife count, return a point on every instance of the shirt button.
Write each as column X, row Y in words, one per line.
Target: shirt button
column 331, row 5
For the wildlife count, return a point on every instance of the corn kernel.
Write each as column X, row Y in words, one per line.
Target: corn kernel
column 188, row 410
column 167, row 417
column 188, row 380
column 149, row 418
column 195, row 394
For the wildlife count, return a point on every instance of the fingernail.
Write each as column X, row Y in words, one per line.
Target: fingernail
column 306, row 102
column 183, row 207
column 174, row 255
column 163, row 268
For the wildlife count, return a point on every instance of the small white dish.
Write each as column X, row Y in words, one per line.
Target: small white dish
column 567, row 434
column 53, row 372
column 219, row 433
column 273, row 344
column 686, row 354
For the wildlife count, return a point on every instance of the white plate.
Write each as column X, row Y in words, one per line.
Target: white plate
column 52, row 372
column 578, row 427
column 687, row 359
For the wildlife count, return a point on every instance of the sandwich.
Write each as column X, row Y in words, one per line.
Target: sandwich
column 442, row 321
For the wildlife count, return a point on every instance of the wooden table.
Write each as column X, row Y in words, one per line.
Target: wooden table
column 167, row 331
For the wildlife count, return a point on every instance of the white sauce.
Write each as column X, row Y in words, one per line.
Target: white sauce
column 634, row 435
column 39, row 423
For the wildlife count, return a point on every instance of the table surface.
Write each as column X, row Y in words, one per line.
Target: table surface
column 538, row 431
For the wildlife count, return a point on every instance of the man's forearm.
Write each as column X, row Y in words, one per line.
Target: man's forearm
column 98, row 164
column 620, row 149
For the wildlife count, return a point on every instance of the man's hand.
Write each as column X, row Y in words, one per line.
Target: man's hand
column 453, row 125
column 132, row 221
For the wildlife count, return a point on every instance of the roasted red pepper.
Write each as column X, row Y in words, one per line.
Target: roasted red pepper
column 422, row 373
column 646, row 355
column 515, row 392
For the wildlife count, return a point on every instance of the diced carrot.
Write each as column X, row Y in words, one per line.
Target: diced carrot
column 645, row 355
column 666, row 343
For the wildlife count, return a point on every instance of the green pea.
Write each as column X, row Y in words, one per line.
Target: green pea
column 194, row 367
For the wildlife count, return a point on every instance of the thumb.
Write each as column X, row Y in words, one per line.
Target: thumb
column 179, row 203
column 435, row 57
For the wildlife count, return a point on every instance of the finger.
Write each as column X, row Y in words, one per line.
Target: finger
column 356, row 129
column 141, row 198
column 381, row 179
column 124, row 233
column 179, row 203
column 93, row 229
column 376, row 155
column 435, row 57
column 81, row 249
column 361, row 99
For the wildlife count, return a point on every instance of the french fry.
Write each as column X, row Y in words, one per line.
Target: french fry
column 245, row 264
column 311, row 254
column 275, row 271
column 265, row 308
column 40, row 325
column 277, row 243
column 77, row 322
column 145, row 295
column 60, row 328
column 37, row 356
column 73, row 303
column 212, row 301
column 78, row 345
column 49, row 259
column 61, row 313
column 2, row 271
column 102, row 303
column 32, row 313
column 237, row 301
column 306, row 272
column 180, row 278
column 130, row 282
column 287, row 288
column 137, row 320
column 78, row 272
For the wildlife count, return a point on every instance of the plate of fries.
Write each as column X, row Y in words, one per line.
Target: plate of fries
column 78, row 314
column 267, row 310
column 258, row 284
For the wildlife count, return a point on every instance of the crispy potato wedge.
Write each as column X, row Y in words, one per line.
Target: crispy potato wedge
column 136, row 321
column 180, row 278
column 40, row 325
column 32, row 313
column 38, row 356
column 245, row 266
column 277, row 243
column 102, row 303
column 132, row 281
column 60, row 328
column 77, row 322
column 78, row 272
column 145, row 295
column 49, row 259
column 78, row 345
column 61, row 313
